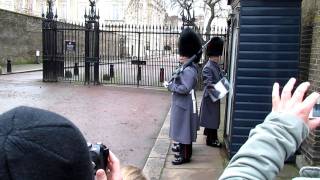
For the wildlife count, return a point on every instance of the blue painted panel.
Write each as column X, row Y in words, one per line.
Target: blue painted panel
column 270, row 20
column 274, row 64
column 269, row 43
column 251, row 114
column 267, row 72
column 269, row 29
column 252, row 97
column 246, row 122
column 270, row 38
column 263, row 55
column 244, row 131
column 253, row 89
column 258, row 46
column 240, row 139
column 271, row 3
column 254, row 106
column 275, row 11
column 234, row 147
column 266, row 81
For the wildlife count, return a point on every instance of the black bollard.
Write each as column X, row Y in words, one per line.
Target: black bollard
column 111, row 70
column 76, row 69
column 161, row 74
column 9, row 69
column 139, row 73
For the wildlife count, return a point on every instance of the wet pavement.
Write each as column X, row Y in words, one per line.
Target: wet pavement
column 126, row 119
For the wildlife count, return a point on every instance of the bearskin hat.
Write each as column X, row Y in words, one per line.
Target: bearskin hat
column 189, row 43
column 215, row 47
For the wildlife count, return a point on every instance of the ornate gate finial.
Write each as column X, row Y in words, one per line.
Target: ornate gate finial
column 187, row 20
column 92, row 14
column 50, row 15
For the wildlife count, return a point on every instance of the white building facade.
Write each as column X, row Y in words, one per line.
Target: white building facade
column 145, row 12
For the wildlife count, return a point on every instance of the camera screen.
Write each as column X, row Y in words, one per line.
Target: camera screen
column 316, row 110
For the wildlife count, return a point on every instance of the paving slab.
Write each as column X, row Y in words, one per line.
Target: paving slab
column 190, row 174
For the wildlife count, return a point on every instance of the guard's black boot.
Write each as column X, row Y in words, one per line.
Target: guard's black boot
column 214, row 143
column 176, row 144
column 212, row 138
column 176, row 148
column 176, row 155
column 180, row 160
column 184, row 155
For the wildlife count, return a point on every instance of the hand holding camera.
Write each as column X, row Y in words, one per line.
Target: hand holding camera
column 99, row 154
column 105, row 164
column 165, row 84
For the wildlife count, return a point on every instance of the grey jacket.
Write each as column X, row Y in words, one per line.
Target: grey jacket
column 183, row 122
column 210, row 111
column 268, row 146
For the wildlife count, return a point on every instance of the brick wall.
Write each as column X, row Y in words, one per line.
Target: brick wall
column 310, row 68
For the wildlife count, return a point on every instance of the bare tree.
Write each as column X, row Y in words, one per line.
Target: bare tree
column 214, row 8
column 185, row 6
column 212, row 4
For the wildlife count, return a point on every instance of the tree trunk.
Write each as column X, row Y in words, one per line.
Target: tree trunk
column 208, row 28
column 208, row 31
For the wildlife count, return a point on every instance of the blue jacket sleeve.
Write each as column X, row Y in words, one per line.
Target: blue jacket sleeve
column 207, row 76
column 268, row 146
column 186, row 82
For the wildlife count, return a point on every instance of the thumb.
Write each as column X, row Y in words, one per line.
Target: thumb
column 101, row 175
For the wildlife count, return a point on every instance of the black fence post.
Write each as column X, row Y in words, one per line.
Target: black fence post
column 139, row 67
column 161, row 74
column 92, row 44
column 9, row 69
column 111, row 70
column 76, row 69
column 96, row 53
column 49, row 45
column 87, row 54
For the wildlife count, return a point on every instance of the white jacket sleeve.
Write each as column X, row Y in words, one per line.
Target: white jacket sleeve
column 268, row 146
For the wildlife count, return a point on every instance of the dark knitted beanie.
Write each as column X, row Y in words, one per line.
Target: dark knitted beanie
column 189, row 43
column 215, row 47
column 40, row 145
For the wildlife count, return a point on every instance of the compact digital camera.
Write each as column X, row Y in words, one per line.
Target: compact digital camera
column 99, row 156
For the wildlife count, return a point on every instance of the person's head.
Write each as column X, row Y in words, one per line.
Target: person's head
column 132, row 173
column 188, row 45
column 40, row 145
column 215, row 47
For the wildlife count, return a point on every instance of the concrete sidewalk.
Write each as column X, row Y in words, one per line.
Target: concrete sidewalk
column 21, row 68
column 206, row 162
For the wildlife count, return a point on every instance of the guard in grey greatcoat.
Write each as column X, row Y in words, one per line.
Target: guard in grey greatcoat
column 209, row 110
column 184, row 118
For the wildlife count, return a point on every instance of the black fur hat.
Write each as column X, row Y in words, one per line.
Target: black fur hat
column 215, row 47
column 189, row 43
column 40, row 145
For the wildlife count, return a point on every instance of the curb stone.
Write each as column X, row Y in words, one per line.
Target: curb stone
column 156, row 160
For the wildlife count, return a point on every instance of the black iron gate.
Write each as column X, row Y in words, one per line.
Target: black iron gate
column 110, row 54
column 137, row 55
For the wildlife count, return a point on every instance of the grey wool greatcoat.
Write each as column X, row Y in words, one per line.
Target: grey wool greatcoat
column 210, row 111
column 183, row 122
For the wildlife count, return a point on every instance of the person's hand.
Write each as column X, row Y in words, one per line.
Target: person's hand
column 165, row 84
column 294, row 104
column 113, row 166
